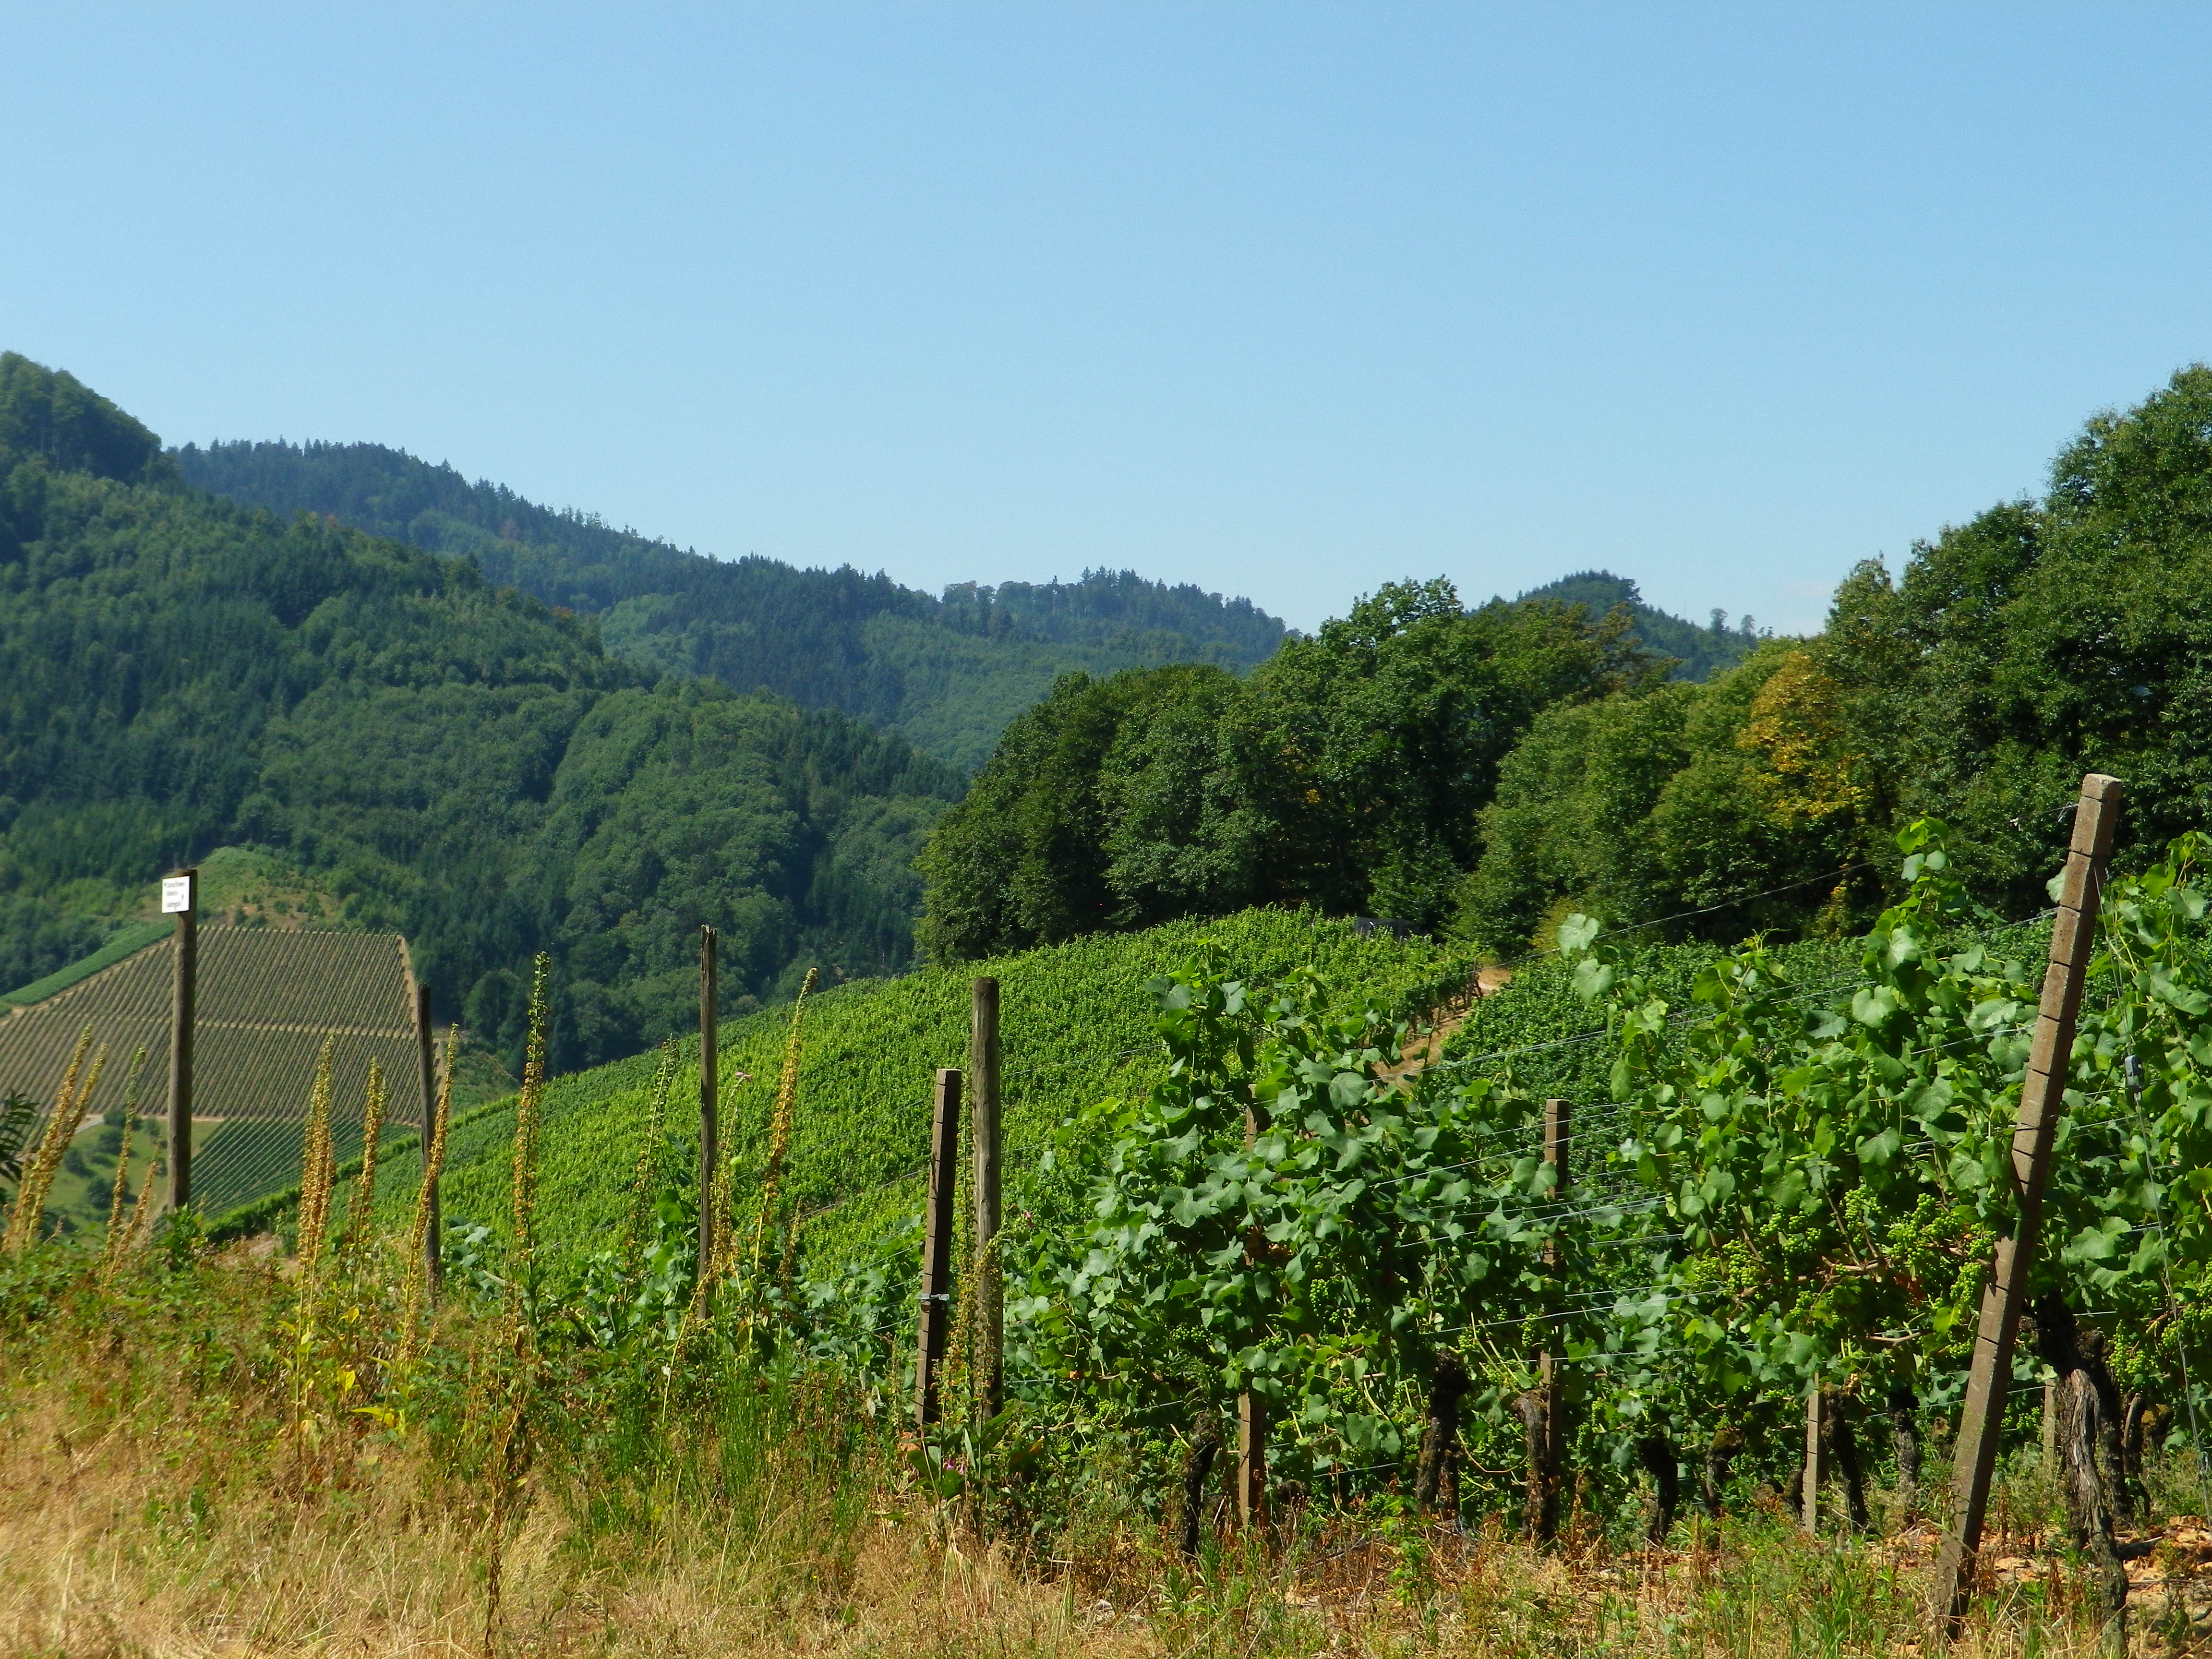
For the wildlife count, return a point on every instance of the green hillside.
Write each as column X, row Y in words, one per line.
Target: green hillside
column 239, row 887
column 1076, row 1029
column 127, row 939
column 454, row 762
column 947, row 672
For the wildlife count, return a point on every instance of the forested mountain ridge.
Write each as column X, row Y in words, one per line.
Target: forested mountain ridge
column 458, row 760
column 947, row 672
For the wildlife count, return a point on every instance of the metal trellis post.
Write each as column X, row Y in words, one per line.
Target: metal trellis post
column 1547, row 1479
column 937, row 1247
column 180, row 898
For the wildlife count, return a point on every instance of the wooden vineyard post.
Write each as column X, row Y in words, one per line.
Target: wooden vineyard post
column 1251, row 1458
column 1251, row 1407
column 1547, row 1479
column 180, row 898
column 983, row 1082
column 710, row 1150
column 426, row 1048
column 2042, row 1098
column 1816, row 1403
column 937, row 1246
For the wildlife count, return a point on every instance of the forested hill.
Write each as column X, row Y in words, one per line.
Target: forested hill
column 947, row 672
column 458, row 760
column 1700, row 653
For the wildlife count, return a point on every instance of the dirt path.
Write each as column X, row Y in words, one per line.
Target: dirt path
column 1426, row 1046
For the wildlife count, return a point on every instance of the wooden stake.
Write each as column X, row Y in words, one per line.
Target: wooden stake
column 2042, row 1099
column 1546, row 1481
column 710, row 1055
column 184, row 1004
column 1251, row 1408
column 983, row 1076
column 425, row 1048
column 1251, row 1458
column 1816, row 1403
column 937, row 1246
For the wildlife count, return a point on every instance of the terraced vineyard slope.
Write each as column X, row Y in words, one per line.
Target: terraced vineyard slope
column 268, row 997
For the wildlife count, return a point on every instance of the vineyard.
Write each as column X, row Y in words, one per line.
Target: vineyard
column 270, row 999
column 1783, row 1176
column 1658, row 1237
column 1078, row 1028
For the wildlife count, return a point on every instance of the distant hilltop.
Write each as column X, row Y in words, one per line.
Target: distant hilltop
column 1700, row 653
column 947, row 673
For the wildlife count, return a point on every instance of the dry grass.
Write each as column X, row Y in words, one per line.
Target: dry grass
column 149, row 1505
column 108, row 1547
column 105, row 1549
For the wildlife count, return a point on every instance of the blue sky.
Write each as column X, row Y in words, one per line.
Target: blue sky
column 1287, row 301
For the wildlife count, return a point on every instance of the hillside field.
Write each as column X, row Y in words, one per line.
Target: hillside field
column 1076, row 1028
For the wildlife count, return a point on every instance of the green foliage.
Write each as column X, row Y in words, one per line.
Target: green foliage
column 2039, row 641
column 235, row 1163
column 1699, row 653
column 77, row 1205
column 946, row 673
column 53, row 423
column 1780, row 1173
column 40, row 938
column 1276, row 1217
column 460, row 764
column 64, row 932
column 1823, row 1166
column 1571, row 817
column 1345, row 773
column 1646, row 805
column 1538, row 1035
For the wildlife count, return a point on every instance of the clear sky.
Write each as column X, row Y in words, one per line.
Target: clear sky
column 1287, row 301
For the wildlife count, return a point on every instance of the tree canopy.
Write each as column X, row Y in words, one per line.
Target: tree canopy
column 2040, row 640
column 1346, row 773
column 1491, row 770
column 1699, row 651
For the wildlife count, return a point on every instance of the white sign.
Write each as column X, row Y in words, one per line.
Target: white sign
column 176, row 895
